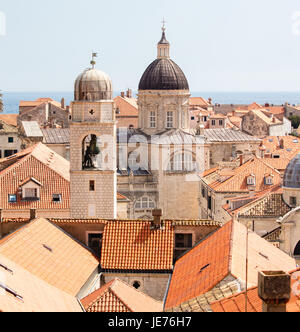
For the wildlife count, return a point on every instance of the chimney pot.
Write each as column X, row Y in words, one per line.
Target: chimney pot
column 157, row 222
column 32, row 214
column 274, row 288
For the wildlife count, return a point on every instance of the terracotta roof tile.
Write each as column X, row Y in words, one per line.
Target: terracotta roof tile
column 238, row 182
column 222, row 254
column 117, row 296
column 47, row 167
column 37, row 295
column 237, row 303
column 10, row 119
column 133, row 245
column 66, row 265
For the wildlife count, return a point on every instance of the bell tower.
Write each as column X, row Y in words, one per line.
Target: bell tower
column 93, row 147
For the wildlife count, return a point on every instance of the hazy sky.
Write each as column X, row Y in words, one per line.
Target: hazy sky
column 232, row 45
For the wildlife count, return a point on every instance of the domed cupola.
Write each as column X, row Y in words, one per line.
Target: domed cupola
column 291, row 183
column 292, row 174
column 163, row 73
column 93, row 85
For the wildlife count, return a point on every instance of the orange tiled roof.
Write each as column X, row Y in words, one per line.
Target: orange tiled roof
column 38, row 102
column 238, row 181
column 117, row 296
column 47, row 167
column 199, row 101
column 37, row 295
column 237, row 302
column 11, row 119
column 133, row 245
column 66, row 265
column 220, row 255
column 284, row 146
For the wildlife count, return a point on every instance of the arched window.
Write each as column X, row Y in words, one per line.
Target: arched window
column 183, row 162
column 297, row 250
column 91, row 153
column 133, row 160
column 144, row 203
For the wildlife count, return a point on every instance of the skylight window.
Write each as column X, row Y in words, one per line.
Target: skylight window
column 57, row 198
column 47, row 247
column 264, row 256
column 204, row 268
column 12, row 292
column 6, row 268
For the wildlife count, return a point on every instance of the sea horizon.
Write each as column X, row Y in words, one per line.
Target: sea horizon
column 11, row 100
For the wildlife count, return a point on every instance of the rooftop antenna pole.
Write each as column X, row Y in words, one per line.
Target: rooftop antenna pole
column 247, row 255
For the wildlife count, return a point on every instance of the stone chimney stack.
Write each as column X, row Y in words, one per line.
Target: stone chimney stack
column 157, row 221
column 63, row 103
column 274, row 288
column 129, row 93
column 32, row 214
column 123, row 94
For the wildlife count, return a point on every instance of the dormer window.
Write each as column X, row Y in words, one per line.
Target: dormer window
column 30, row 190
column 269, row 180
column 251, row 180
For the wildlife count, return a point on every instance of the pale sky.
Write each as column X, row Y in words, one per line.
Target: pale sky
column 232, row 45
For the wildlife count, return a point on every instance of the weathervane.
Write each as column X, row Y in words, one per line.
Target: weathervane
column 93, row 61
column 164, row 25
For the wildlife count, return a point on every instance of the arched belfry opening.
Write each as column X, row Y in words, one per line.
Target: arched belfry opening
column 91, row 153
column 297, row 250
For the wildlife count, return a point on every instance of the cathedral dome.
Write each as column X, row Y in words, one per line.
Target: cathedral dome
column 93, row 85
column 163, row 73
column 292, row 174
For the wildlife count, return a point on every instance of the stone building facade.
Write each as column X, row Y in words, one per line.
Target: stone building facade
column 93, row 148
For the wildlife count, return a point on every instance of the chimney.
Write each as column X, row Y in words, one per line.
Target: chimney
column 129, row 93
column 32, row 214
column 282, row 144
column 241, row 159
column 123, row 94
column 210, row 101
column 233, row 113
column 200, row 130
column 157, row 222
column 62, row 103
column 274, row 288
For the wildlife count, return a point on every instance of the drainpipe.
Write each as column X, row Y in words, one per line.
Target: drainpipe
column 274, row 288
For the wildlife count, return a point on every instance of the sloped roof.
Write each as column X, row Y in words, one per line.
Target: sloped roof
column 237, row 302
column 220, row 255
column 228, row 135
column 38, row 102
column 50, row 254
column 117, row 296
column 32, row 129
column 47, row 167
column 7, row 128
column 133, row 245
column 37, row 295
column 199, row 101
column 11, row 119
column 271, row 205
column 238, row 182
column 56, row 136
column 284, row 146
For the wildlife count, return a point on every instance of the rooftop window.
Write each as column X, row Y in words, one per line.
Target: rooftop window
column 57, row 198
column 12, row 198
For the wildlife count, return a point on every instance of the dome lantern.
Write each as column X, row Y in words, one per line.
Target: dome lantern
column 93, row 84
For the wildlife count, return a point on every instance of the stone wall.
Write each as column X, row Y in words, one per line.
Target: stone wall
column 152, row 284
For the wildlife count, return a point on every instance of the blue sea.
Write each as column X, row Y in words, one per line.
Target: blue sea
column 12, row 99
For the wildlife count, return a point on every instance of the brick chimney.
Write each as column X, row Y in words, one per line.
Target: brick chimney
column 123, row 94
column 157, row 221
column 274, row 288
column 62, row 103
column 32, row 214
column 129, row 93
